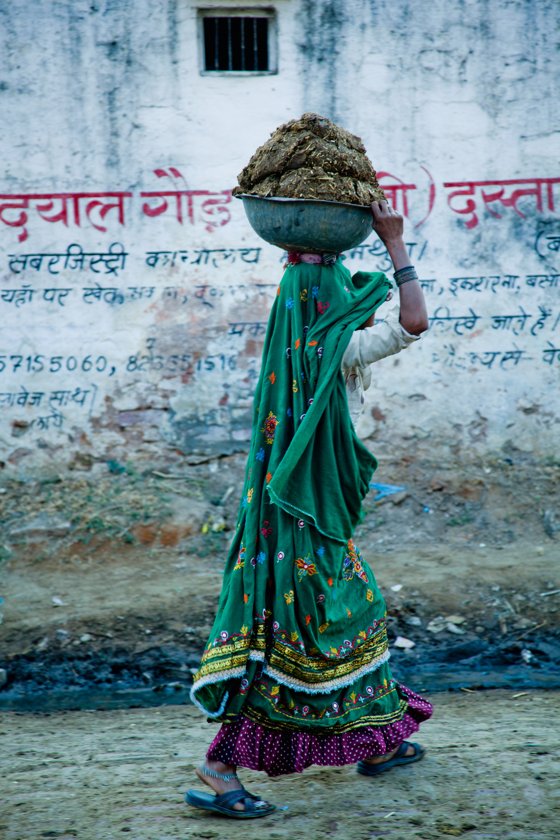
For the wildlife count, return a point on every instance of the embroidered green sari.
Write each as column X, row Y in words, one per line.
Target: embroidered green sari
column 299, row 644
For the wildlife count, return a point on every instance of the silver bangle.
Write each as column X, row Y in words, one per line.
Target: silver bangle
column 405, row 275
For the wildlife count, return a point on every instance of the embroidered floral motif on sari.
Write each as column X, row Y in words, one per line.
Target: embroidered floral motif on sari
column 269, row 428
column 353, row 564
column 304, row 567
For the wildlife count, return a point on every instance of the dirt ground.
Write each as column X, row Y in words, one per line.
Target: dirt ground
column 109, row 579
column 491, row 771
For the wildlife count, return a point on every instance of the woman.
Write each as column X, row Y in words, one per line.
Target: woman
column 296, row 666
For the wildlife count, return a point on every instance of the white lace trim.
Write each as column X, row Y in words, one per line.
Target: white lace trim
column 256, row 655
column 298, row 685
column 209, row 680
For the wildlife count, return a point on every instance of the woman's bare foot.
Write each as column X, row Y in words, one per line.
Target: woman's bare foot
column 221, row 785
column 380, row 759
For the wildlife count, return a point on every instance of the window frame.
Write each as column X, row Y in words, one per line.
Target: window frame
column 267, row 12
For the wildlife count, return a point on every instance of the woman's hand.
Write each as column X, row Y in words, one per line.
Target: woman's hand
column 389, row 226
column 387, row 223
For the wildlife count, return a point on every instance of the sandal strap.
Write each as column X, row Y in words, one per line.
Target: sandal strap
column 213, row 774
column 232, row 797
column 401, row 752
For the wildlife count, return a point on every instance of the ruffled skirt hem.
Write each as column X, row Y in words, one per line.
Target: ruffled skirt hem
column 255, row 746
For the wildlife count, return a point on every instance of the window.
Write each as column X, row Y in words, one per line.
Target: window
column 241, row 41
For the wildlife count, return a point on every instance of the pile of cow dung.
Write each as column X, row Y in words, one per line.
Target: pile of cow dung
column 311, row 158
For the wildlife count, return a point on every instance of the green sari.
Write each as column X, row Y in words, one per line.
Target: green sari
column 296, row 664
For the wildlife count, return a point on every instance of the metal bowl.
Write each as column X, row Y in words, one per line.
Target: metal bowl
column 305, row 224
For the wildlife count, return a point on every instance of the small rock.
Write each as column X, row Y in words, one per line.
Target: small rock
column 436, row 625
column 3, row 677
column 454, row 629
column 527, row 655
column 413, row 621
column 57, row 601
column 455, row 619
column 86, row 637
column 404, row 643
column 522, row 623
column 551, row 524
column 61, row 633
column 397, row 587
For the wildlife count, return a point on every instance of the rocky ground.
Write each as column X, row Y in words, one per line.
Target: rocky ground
column 109, row 584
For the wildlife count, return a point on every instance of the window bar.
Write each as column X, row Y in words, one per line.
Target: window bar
column 216, row 46
column 242, row 43
column 255, row 46
column 229, row 45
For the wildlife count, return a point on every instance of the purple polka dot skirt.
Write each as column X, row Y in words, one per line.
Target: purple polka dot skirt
column 277, row 751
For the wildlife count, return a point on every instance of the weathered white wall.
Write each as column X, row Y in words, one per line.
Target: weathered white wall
column 106, row 96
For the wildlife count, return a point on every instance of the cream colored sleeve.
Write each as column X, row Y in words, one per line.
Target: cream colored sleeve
column 377, row 342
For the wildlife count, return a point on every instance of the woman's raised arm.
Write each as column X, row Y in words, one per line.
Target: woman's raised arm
column 389, row 226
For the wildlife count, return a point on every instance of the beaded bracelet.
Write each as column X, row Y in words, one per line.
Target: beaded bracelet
column 405, row 275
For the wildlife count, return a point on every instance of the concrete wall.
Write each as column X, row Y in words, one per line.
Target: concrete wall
column 131, row 327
